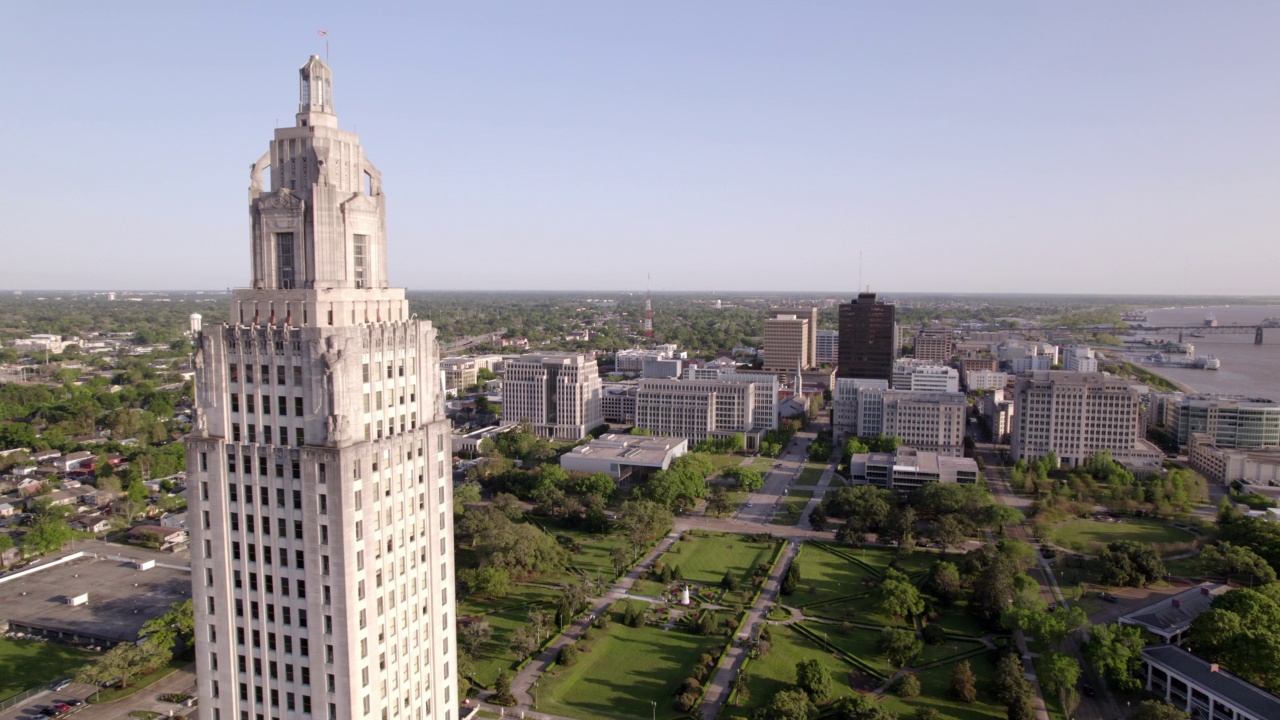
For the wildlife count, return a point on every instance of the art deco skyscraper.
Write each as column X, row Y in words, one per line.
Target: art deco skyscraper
column 321, row 501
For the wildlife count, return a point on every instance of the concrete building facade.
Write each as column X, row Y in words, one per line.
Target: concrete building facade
column 1232, row 422
column 935, row 345
column 788, row 340
column 924, row 376
column 868, row 338
column 764, row 400
column 321, row 502
column 1255, row 467
column 1076, row 415
column 808, row 314
column 828, row 347
column 460, row 373
column 1079, row 358
column 558, row 394
column 926, row 421
column 979, row 380
column 698, row 409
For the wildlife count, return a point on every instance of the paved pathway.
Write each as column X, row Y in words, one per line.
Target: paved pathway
column 722, row 682
column 523, row 685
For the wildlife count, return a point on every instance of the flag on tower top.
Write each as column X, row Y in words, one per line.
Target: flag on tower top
column 322, row 33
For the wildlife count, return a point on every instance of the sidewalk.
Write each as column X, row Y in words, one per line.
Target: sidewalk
column 523, row 682
column 722, row 682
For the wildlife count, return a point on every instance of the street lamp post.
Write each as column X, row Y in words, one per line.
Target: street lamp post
column 654, row 703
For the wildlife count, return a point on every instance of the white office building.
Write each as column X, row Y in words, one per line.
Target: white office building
column 1075, row 415
column 558, row 394
column 1079, row 358
column 926, row 421
column 924, row 376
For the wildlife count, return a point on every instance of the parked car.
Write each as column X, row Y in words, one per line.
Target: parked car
column 60, row 685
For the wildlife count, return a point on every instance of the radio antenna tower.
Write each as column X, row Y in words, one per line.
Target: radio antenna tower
column 648, row 307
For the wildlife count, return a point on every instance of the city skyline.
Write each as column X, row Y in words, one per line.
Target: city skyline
column 1088, row 149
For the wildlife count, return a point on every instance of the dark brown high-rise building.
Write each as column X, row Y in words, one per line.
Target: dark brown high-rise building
column 868, row 338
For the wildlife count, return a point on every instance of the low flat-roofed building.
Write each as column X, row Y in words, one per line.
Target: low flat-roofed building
column 625, row 458
column 1169, row 618
column 1203, row 689
column 908, row 469
column 1258, row 467
column 121, row 597
column 924, row 376
column 469, row 443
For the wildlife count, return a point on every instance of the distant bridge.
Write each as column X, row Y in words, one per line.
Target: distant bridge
column 1257, row 330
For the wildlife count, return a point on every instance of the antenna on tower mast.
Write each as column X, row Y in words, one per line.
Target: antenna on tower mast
column 859, row 271
column 648, row 306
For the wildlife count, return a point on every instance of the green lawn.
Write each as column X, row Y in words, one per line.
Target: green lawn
column 830, row 576
column 777, row 670
column 762, row 464
column 705, row 558
column 811, row 474
column 26, row 663
column 1086, row 535
column 956, row 618
column 792, row 505
column 622, row 670
column 858, row 642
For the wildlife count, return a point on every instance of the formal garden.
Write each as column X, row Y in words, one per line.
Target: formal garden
column 838, row 619
column 638, row 657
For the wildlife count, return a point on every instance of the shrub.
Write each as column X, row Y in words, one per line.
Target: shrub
column 907, row 686
column 568, row 655
column 603, row 621
column 934, row 634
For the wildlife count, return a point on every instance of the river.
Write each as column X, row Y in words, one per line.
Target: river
column 1247, row 369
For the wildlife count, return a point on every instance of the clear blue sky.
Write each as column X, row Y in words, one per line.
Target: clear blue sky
column 961, row 146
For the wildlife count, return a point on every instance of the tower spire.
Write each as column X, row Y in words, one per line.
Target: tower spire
column 648, row 306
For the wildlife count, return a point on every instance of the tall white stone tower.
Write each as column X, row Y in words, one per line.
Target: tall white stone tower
column 321, row 501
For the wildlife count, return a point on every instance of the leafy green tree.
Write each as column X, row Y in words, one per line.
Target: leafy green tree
column 1228, row 560
column 1010, row 679
column 45, row 536
column 812, row 677
column 864, row 507
column 895, row 596
column 1158, row 710
column 463, row 494
column 598, row 485
column 718, row 502
column 746, row 478
column 899, row 645
column 1134, row 564
column 475, row 634
column 1021, row 707
column 999, row 515
column 945, row 582
column 791, row 580
column 818, row 518
column 1058, row 675
column 642, row 522
column 489, row 580
column 948, row 530
column 793, row 704
column 1115, row 651
column 1242, row 632
column 964, row 684
column 172, row 630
